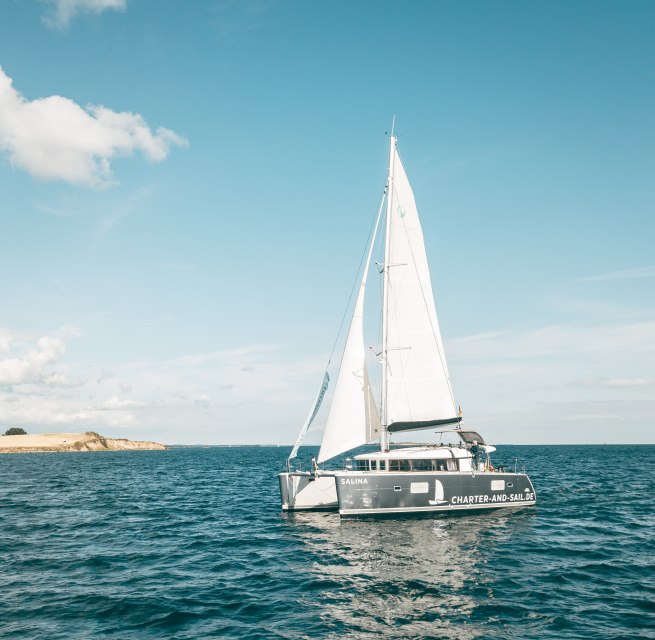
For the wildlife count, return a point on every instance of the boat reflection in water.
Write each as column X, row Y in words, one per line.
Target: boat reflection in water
column 403, row 578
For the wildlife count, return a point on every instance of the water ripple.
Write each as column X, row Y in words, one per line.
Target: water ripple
column 190, row 543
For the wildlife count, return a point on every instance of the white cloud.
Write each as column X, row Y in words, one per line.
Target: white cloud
column 54, row 138
column 566, row 383
column 59, row 379
column 115, row 402
column 561, row 383
column 63, row 11
column 64, row 413
column 31, row 393
column 31, row 367
column 5, row 340
column 636, row 341
column 197, row 398
column 626, row 274
column 617, row 383
column 202, row 400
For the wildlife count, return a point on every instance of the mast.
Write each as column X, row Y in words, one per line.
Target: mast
column 384, row 434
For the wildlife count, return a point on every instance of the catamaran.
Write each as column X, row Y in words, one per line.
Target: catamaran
column 415, row 392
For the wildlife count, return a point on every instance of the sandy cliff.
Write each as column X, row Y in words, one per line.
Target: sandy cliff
column 89, row 441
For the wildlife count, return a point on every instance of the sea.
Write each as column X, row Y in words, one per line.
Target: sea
column 190, row 543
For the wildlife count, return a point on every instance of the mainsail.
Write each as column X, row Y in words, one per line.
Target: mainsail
column 418, row 391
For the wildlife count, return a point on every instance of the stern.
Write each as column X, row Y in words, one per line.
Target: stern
column 303, row 491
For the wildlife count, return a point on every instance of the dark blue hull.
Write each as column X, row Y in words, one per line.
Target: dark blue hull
column 362, row 493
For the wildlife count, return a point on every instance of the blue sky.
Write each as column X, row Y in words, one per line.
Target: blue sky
column 186, row 189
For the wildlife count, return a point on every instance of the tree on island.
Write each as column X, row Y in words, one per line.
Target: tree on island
column 15, row 431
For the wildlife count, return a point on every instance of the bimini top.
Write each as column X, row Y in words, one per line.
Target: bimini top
column 466, row 435
column 418, row 453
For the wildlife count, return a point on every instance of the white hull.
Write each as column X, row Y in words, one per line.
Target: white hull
column 302, row 491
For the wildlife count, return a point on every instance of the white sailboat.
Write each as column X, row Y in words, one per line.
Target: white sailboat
column 416, row 393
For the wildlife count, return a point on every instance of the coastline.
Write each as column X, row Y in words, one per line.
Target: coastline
column 72, row 442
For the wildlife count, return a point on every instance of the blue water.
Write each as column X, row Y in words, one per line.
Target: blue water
column 191, row 543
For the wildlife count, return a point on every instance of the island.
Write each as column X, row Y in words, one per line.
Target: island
column 56, row 442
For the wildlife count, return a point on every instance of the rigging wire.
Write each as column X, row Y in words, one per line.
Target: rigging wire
column 319, row 397
column 357, row 278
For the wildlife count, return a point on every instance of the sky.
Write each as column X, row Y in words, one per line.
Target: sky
column 186, row 190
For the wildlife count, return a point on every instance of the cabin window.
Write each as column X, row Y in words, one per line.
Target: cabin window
column 400, row 465
column 423, row 465
column 383, row 465
column 451, row 465
column 362, row 465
